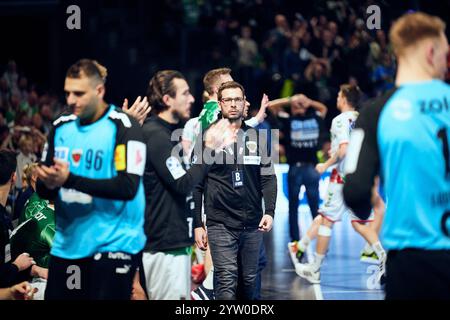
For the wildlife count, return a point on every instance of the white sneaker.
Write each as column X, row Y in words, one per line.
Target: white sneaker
column 295, row 253
column 381, row 276
column 308, row 272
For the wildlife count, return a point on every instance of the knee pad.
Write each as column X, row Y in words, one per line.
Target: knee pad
column 324, row 231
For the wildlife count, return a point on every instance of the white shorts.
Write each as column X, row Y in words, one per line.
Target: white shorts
column 334, row 206
column 167, row 276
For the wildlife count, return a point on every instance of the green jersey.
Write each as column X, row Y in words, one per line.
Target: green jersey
column 209, row 114
column 35, row 232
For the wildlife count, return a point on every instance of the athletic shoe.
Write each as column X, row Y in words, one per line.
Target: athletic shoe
column 308, row 272
column 295, row 253
column 201, row 293
column 381, row 276
column 369, row 257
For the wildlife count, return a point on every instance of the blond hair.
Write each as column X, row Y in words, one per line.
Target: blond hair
column 411, row 28
column 28, row 172
column 211, row 77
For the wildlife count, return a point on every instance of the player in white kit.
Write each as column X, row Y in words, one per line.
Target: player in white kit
column 334, row 206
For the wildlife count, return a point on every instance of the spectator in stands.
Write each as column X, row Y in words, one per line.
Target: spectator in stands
column 11, row 76
column 383, row 75
column 281, row 35
column 293, row 66
column 247, row 57
column 25, row 157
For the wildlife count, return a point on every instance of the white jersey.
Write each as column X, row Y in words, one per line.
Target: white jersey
column 190, row 132
column 341, row 127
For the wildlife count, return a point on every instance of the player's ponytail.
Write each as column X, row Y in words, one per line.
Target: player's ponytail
column 160, row 85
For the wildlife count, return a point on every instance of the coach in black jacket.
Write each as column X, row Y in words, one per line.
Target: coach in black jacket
column 241, row 175
column 168, row 187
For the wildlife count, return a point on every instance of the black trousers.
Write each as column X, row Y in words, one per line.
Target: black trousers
column 105, row 276
column 418, row 274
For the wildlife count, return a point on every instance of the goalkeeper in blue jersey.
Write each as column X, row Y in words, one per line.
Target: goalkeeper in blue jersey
column 92, row 168
column 404, row 138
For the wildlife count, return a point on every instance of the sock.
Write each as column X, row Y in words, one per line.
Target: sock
column 368, row 248
column 378, row 248
column 318, row 259
column 208, row 283
column 303, row 243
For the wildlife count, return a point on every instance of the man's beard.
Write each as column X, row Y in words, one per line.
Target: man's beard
column 179, row 116
column 238, row 116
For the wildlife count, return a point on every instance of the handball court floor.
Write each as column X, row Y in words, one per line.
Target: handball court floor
column 343, row 276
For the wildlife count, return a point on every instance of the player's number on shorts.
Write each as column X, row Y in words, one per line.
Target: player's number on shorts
column 442, row 134
column 94, row 161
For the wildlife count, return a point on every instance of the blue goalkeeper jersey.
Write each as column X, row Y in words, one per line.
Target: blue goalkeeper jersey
column 406, row 137
column 101, row 206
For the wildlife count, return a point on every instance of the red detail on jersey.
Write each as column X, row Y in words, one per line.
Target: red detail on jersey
column 138, row 157
column 335, row 177
column 76, row 156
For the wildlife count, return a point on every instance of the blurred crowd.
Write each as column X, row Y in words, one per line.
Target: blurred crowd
column 312, row 49
column 25, row 118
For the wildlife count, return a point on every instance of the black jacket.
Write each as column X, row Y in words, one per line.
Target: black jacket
column 8, row 271
column 238, row 207
column 168, row 189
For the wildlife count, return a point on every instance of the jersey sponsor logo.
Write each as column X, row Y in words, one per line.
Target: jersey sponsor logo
column 62, row 153
column 118, row 256
column 434, row 106
column 304, row 133
column 136, row 155
column 120, row 158
column 122, row 117
column 76, row 157
column 402, row 109
column 251, row 146
column 175, row 167
column 74, row 196
column 255, row 160
column 126, row 268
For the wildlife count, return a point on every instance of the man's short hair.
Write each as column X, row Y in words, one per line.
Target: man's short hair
column 87, row 68
column 229, row 85
column 211, row 77
column 8, row 165
column 411, row 28
column 352, row 93
column 161, row 84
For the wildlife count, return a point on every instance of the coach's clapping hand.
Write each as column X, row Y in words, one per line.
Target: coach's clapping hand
column 266, row 223
column 54, row 176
